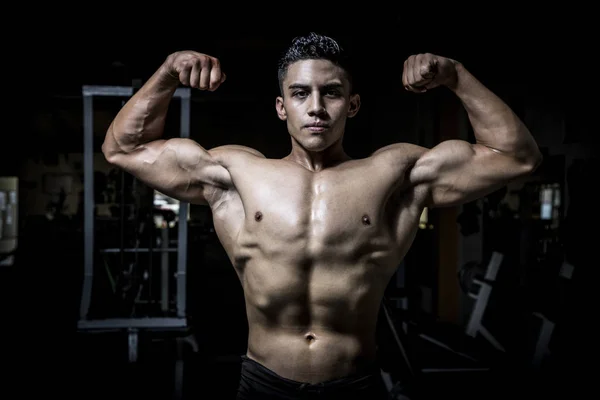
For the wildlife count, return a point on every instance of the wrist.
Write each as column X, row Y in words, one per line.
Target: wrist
column 167, row 75
column 459, row 78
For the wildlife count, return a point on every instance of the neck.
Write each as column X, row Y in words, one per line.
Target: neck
column 317, row 160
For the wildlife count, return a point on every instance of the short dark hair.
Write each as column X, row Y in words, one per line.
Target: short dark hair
column 314, row 46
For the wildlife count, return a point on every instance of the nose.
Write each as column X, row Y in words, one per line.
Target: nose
column 317, row 106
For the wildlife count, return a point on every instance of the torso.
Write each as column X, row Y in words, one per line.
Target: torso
column 314, row 252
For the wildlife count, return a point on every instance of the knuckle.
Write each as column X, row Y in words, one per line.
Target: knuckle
column 199, row 62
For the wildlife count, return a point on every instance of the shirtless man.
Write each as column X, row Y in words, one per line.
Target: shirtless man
column 315, row 237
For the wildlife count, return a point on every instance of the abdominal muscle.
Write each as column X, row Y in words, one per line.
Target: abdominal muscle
column 313, row 323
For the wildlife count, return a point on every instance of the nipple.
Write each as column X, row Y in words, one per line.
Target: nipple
column 366, row 220
column 258, row 216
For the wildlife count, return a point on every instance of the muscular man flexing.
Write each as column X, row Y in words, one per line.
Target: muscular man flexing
column 314, row 237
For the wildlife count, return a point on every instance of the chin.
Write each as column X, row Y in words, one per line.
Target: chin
column 315, row 144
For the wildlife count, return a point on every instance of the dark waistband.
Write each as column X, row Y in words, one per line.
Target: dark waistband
column 257, row 372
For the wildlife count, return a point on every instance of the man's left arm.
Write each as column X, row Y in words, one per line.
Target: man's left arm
column 456, row 171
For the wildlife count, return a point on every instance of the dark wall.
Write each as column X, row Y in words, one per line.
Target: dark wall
column 522, row 57
column 540, row 65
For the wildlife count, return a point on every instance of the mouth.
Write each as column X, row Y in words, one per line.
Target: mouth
column 317, row 127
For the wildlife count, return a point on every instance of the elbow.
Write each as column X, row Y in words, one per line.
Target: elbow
column 108, row 152
column 533, row 161
column 110, row 148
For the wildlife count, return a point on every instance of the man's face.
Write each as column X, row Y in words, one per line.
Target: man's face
column 316, row 102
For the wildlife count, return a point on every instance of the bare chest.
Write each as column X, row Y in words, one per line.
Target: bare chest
column 290, row 209
column 324, row 210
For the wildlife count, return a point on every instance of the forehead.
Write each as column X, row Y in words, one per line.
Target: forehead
column 314, row 72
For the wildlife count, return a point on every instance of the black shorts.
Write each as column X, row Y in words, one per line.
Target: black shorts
column 259, row 382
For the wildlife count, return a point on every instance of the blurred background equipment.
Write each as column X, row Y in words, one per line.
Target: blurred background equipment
column 134, row 281
column 9, row 219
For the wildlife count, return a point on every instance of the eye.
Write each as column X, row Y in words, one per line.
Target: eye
column 300, row 93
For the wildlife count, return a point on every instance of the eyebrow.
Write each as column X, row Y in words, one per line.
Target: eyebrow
column 328, row 86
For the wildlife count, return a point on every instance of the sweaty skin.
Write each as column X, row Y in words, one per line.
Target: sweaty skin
column 315, row 265
column 315, row 237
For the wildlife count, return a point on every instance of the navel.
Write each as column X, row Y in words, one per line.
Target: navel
column 310, row 337
column 258, row 216
column 366, row 220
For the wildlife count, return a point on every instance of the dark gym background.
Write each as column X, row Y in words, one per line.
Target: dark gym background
column 540, row 64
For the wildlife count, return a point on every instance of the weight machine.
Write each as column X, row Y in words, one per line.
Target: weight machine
column 468, row 357
column 475, row 326
column 163, row 321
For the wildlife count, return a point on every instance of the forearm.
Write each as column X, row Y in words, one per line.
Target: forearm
column 142, row 118
column 494, row 123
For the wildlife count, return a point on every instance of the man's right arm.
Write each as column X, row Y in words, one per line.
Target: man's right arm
column 178, row 167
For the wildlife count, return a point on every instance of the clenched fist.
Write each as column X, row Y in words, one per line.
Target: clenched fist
column 195, row 69
column 427, row 71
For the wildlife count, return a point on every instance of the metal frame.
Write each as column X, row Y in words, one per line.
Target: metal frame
column 475, row 325
column 89, row 92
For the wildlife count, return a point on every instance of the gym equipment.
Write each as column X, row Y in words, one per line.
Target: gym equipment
column 410, row 371
column 9, row 221
column 547, row 325
column 127, row 283
column 475, row 326
column 85, row 323
column 414, row 366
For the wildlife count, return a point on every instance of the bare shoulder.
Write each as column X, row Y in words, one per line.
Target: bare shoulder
column 398, row 161
column 399, row 154
column 230, row 152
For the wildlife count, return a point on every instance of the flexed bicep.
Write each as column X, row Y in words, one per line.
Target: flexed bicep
column 179, row 168
column 456, row 172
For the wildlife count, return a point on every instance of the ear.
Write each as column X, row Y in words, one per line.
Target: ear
column 354, row 105
column 280, row 108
